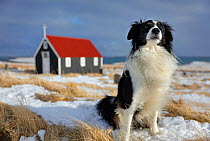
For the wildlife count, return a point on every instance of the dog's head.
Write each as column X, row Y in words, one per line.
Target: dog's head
column 151, row 32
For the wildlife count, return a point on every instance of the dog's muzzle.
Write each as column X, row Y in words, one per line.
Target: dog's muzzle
column 154, row 34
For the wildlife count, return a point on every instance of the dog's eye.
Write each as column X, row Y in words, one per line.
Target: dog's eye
column 159, row 23
column 149, row 24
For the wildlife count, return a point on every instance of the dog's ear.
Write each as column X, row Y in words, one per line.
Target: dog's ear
column 168, row 33
column 133, row 31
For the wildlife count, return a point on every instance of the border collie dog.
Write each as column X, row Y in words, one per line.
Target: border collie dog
column 143, row 87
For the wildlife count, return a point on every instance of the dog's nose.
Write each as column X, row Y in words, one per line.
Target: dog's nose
column 155, row 31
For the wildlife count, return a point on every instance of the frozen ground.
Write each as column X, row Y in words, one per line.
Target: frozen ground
column 172, row 128
column 66, row 112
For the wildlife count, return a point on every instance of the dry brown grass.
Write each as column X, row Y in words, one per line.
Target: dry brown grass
column 19, row 121
column 71, row 74
column 18, row 66
column 77, row 92
column 85, row 132
column 48, row 74
column 94, row 74
column 111, row 90
column 181, row 108
column 198, row 93
column 111, row 76
column 88, row 74
column 202, row 106
column 194, row 86
column 66, row 89
column 53, row 97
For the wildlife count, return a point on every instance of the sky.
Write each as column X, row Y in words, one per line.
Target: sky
column 105, row 22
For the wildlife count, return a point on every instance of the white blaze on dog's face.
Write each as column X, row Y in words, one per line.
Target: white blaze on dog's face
column 154, row 35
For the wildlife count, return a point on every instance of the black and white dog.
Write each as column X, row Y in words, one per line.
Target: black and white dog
column 142, row 90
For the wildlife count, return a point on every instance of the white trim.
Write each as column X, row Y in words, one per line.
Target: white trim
column 35, row 70
column 40, row 45
column 59, row 66
column 52, row 48
column 101, row 61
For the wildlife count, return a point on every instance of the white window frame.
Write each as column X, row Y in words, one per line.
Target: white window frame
column 82, row 61
column 45, row 44
column 68, row 62
column 95, row 61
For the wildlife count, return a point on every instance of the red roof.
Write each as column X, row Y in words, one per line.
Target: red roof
column 73, row 47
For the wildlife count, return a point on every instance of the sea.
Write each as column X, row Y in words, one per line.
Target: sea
column 111, row 60
column 182, row 60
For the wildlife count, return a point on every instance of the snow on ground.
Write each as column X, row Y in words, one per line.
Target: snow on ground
column 66, row 112
column 192, row 97
column 81, row 79
column 103, row 81
column 21, row 94
column 58, row 112
column 93, row 91
column 40, row 133
column 23, row 60
column 172, row 129
column 197, row 65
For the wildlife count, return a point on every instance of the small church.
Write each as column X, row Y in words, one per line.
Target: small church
column 60, row 55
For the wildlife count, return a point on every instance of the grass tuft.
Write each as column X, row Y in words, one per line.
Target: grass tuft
column 181, row 108
column 17, row 121
column 20, row 121
column 53, row 97
column 84, row 132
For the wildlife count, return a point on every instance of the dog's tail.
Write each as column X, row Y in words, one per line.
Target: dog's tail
column 106, row 108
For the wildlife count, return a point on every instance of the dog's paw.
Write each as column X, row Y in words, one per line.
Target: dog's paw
column 153, row 133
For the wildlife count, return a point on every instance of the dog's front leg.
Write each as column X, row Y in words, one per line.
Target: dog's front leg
column 153, row 124
column 125, row 116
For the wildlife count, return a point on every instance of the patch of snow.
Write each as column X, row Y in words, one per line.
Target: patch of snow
column 23, row 60
column 21, row 94
column 172, row 129
column 199, row 63
column 80, row 79
column 41, row 134
column 20, row 76
column 191, row 97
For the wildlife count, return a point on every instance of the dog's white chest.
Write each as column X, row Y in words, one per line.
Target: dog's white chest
column 150, row 64
column 151, row 69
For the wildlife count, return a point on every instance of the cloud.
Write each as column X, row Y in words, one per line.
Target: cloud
column 106, row 23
